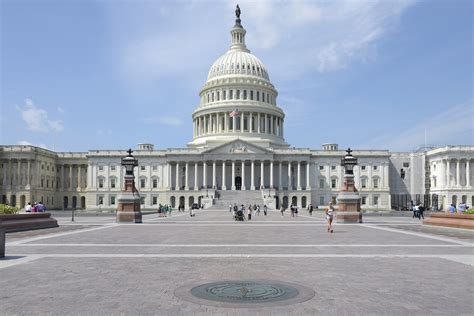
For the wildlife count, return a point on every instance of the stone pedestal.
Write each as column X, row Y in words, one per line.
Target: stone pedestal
column 128, row 209
column 348, row 200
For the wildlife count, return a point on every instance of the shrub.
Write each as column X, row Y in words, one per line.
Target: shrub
column 7, row 209
column 471, row 211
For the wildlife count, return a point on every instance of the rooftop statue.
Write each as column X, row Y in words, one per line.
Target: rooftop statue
column 237, row 12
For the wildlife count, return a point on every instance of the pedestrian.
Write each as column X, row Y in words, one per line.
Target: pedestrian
column 282, row 209
column 40, row 207
column 329, row 217
column 292, row 208
column 452, row 209
column 296, row 210
column 310, row 210
column 258, row 210
column 265, row 209
column 28, row 208
column 230, row 207
column 421, row 210
column 33, row 208
column 249, row 212
column 415, row 211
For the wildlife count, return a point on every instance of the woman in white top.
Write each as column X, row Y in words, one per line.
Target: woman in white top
column 330, row 216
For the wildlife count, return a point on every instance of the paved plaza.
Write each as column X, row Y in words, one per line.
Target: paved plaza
column 388, row 265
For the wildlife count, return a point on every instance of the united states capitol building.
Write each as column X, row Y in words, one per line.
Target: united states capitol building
column 238, row 153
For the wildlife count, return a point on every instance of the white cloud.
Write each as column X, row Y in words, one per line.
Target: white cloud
column 165, row 120
column 27, row 143
column 293, row 37
column 443, row 128
column 37, row 119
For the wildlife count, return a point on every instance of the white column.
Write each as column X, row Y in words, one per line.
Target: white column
column 290, row 186
column 233, row 175
column 204, row 174
column 218, row 122
column 214, row 174
column 252, row 175
column 308, row 167
column 223, row 174
column 186, row 178
column 94, row 176
column 28, row 173
column 385, row 176
column 243, row 175
column 262, row 174
column 266, row 124
column 70, row 177
column 196, row 180
column 61, row 177
column 448, row 175
column 271, row 125
column 258, row 124
column 458, row 169
column 280, row 184
column 234, row 128
column 177, row 177
column 271, row 174
column 468, row 174
column 78, row 177
column 250, row 122
column 226, row 122
column 298, row 185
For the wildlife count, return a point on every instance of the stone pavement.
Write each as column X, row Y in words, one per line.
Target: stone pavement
column 386, row 266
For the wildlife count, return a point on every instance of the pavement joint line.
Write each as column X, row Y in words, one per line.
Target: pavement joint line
column 26, row 240
column 423, row 235
column 247, row 245
column 163, row 218
column 9, row 262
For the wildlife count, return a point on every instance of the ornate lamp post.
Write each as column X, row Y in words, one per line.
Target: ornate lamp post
column 348, row 198
column 128, row 209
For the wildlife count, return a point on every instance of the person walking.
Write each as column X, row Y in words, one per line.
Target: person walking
column 292, row 208
column 329, row 217
column 282, row 209
column 421, row 210
column 258, row 210
column 249, row 213
column 311, row 210
column 230, row 207
column 265, row 209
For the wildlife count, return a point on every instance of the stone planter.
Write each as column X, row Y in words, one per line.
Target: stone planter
column 451, row 220
column 20, row 222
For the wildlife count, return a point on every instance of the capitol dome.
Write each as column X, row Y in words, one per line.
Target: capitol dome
column 238, row 101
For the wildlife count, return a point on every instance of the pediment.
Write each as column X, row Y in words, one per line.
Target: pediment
column 237, row 147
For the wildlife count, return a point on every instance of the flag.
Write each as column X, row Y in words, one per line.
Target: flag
column 234, row 113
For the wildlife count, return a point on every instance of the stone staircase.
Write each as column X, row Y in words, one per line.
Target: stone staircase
column 240, row 197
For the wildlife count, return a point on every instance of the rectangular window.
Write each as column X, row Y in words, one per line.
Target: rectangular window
column 142, row 200
column 376, row 200
column 100, row 200
column 47, row 183
column 112, row 183
column 224, row 94
column 112, row 200
column 101, row 182
column 155, row 167
column 231, row 94
column 42, row 182
column 212, row 97
column 251, row 94
column 333, row 183
column 101, row 168
column 112, row 168
column 376, row 183
column 155, row 183
column 321, row 183
column 363, row 183
column 245, row 94
column 237, row 94
column 258, row 95
column 333, row 200
column 362, row 167
column 155, row 200
column 321, row 200
column 375, row 167
column 406, row 164
column 321, row 167
column 142, row 168
column 363, row 200
column 333, row 167
column 142, row 183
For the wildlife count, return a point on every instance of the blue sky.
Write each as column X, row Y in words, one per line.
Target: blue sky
column 80, row 75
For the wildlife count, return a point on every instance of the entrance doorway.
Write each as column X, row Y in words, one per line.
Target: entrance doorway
column 83, row 202
column 181, row 201
column 74, row 202
column 277, row 202
column 238, row 183
column 65, row 202
column 285, row 202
